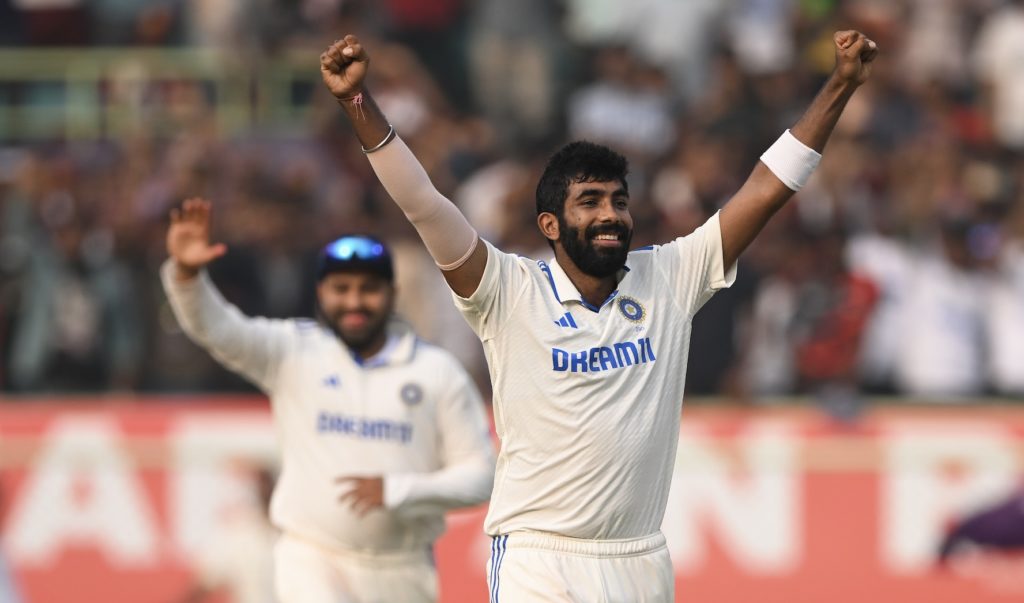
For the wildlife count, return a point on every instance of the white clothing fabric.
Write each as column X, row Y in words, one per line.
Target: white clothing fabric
column 412, row 415
column 307, row 573
column 587, row 400
column 528, row 566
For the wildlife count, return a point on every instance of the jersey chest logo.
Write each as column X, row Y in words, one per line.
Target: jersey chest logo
column 411, row 394
column 631, row 309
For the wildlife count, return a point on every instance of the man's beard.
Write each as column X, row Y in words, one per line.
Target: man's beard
column 357, row 342
column 593, row 260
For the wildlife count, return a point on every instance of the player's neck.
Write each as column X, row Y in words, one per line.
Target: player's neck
column 593, row 289
column 371, row 348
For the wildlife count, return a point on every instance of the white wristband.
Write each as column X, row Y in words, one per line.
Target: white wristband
column 791, row 161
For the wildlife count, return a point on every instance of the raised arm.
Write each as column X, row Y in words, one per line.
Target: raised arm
column 785, row 167
column 448, row 236
column 252, row 347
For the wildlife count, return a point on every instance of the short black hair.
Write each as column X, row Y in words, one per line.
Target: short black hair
column 579, row 161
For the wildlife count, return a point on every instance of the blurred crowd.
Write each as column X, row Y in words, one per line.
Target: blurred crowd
column 898, row 270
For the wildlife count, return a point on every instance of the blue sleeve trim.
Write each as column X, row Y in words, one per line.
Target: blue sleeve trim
column 551, row 279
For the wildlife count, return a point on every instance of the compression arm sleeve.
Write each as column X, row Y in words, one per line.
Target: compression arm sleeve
column 447, row 234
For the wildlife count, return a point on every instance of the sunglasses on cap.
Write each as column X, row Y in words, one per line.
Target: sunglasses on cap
column 355, row 253
column 355, row 247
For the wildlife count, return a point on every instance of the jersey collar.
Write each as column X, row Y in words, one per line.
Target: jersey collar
column 565, row 291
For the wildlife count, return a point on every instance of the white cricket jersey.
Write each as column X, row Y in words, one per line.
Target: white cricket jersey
column 587, row 400
column 411, row 414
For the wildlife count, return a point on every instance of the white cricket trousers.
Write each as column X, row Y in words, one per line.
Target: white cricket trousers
column 305, row 572
column 533, row 566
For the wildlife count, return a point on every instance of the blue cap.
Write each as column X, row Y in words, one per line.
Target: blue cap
column 355, row 253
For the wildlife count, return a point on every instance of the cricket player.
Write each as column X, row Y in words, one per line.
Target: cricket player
column 587, row 351
column 380, row 433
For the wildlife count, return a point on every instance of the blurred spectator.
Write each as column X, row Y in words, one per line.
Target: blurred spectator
column 999, row 527
column 885, row 260
column 436, row 32
column 1004, row 316
column 769, row 362
column 678, row 37
column 761, row 35
column 516, row 58
column 809, row 320
column 833, row 308
column 935, row 45
column 77, row 327
column 596, row 23
column 121, row 22
column 53, row 22
column 999, row 66
column 941, row 349
column 11, row 29
column 922, row 176
column 627, row 106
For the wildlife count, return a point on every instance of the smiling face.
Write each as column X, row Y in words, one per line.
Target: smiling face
column 356, row 306
column 595, row 227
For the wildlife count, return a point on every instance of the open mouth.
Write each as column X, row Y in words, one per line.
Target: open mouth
column 606, row 240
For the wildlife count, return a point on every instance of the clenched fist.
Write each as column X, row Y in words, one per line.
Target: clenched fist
column 343, row 66
column 855, row 53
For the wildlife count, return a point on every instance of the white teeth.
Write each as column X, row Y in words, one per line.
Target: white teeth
column 607, row 237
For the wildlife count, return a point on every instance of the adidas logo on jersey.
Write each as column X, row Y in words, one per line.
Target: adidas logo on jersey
column 567, row 321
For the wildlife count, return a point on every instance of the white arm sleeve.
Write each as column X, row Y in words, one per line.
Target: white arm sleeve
column 445, row 231
column 252, row 347
column 468, row 473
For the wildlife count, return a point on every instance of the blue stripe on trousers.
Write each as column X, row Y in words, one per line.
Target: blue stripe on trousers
column 497, row 555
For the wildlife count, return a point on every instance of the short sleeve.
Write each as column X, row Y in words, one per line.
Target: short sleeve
column 694, row 266
column 501, row 287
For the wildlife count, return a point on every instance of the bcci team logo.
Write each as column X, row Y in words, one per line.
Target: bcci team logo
column 631, row 309
column 411, row 394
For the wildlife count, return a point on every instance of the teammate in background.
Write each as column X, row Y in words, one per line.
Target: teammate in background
column 587, row 352
column 380, row 433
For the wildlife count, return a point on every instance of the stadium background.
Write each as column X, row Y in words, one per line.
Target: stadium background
column 850, row 398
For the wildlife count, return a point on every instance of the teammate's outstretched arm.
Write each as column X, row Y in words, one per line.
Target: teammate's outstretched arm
column 250, row 346
column 784, row 168
column 448, row 236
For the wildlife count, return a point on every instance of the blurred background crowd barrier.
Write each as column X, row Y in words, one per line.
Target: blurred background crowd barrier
column 894, row 280
column 780, row 505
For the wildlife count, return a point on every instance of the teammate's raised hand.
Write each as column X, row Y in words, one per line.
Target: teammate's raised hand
column 343, row 66
column 188, row 238
column 855, row 53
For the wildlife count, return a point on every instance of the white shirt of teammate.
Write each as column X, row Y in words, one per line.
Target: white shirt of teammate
column 587, row 400
column 412, row 415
